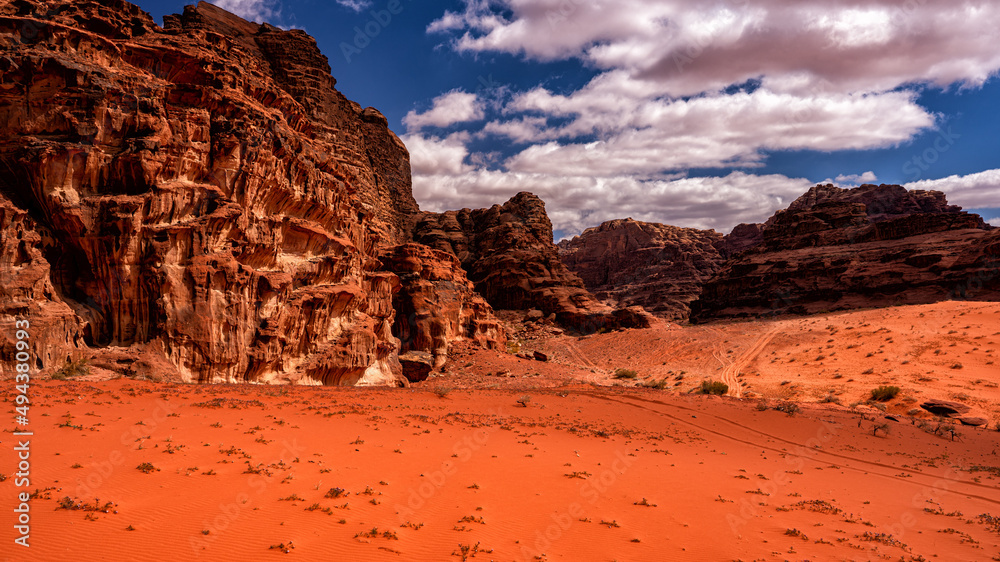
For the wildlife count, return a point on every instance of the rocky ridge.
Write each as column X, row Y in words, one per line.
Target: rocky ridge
column 837, row 249
column 659, row 267
column 831, row 249
column 509, row 255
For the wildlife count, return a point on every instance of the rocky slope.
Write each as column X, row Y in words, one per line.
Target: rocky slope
column 508, row 253
column 201, row 190
column 835, row 249
column 630, row 263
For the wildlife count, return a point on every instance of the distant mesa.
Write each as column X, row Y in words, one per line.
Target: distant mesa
column 831, row 249
column 872, row 246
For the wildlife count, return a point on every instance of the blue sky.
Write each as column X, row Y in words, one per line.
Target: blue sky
column 687, row 112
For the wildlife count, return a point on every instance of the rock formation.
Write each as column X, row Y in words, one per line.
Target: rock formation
column 835, row 249
column 882, row 202
column 201, row 189
column 509, row 255
column 661, row 268
column 831, row 249
column 437, row 304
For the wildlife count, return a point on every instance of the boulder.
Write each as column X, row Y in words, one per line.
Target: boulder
column 945, row 408
column 976, row 421
column 417, row 365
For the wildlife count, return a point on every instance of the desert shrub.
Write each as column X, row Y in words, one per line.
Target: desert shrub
column 762, row 405
column 717, row 388
column 72, row 369
column 442, row 391
column 884, row 393
column 523, row 401
column 335, row 493
column 790, row 408
column 830, row 399
column 660, row 384
column 626, row 374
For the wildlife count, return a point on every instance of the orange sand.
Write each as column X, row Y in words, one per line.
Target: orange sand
column 457, row 462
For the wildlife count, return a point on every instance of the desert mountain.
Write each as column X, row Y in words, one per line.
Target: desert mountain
column 831, row 249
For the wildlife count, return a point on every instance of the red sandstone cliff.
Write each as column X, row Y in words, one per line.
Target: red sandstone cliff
column 831, row 249
column 201, row 190
column 437, row 304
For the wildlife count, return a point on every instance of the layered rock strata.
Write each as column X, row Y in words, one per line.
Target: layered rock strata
column 511, row 259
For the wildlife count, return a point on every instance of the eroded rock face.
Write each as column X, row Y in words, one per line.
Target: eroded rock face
column 509, row 255
column 437, row 304
column 831, row 251
column 630, row 263
column 26, row 293
column 201, row 189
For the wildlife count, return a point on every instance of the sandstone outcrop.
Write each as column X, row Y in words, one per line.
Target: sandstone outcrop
column 437, row 304
column 200, row 189
column 509, row 255
column 417, row 365
column 946, row 408
column 872, row 246
column 630, row 263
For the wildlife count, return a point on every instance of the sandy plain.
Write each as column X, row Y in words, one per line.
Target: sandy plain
column 505, row 458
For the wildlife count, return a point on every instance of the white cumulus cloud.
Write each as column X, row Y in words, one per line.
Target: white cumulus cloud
column 687, row 84
column 972, row 191
column 855, row 179
column 449, row 108
column 259, row 11
column 355, row 5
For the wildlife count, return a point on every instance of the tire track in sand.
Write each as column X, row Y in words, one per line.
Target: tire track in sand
column 731, row 372
column 753, row 436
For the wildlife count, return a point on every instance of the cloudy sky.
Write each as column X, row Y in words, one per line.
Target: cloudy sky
column 701, row 113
